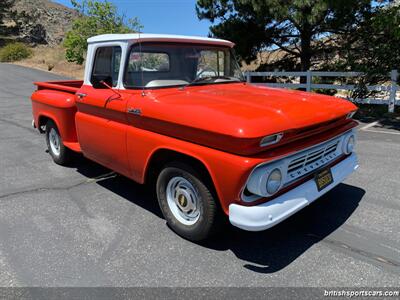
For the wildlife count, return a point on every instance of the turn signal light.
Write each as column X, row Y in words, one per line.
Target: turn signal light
column 271, row 139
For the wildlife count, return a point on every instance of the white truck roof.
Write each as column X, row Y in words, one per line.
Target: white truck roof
column 146, row 37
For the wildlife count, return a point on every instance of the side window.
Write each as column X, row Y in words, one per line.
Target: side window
column 211, row 63
column 106, row 66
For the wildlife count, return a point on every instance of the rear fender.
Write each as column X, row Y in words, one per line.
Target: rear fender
column 59, row 107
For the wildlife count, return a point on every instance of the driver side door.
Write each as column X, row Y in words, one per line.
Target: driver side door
column 101, row 118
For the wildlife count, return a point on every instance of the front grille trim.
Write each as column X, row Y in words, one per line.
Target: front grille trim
column 308, row 161
column 332, row 152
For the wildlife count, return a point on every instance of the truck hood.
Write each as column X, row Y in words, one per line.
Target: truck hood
column 239, row 110
column 244, row 110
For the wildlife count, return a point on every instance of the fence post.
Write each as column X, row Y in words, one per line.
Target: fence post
column 393, row 88
column 248, row 77
column 309, row 81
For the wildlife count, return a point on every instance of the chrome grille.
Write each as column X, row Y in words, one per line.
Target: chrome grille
column 295, row 166
column 311, row 160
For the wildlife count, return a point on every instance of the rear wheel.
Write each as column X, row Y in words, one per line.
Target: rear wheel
column 186, row 202
column 60, row 154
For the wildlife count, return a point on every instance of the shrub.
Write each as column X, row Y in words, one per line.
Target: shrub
column 14, row 52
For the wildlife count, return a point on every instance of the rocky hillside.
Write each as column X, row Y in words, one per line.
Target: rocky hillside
column 43, row 21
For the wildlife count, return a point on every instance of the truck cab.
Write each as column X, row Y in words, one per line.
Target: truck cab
column 176, row 112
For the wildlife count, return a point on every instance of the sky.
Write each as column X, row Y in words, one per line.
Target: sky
column 162, row 16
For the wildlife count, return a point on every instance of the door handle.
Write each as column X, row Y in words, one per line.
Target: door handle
column 81, row 95
column 134, row 111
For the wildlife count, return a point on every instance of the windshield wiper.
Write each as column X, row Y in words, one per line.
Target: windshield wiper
column 197, row 80
column 209, row 78
column 228, row 78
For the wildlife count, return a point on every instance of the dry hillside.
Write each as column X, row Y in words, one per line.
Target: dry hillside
column 43, row 21
column 43, row 25
column 52, row 58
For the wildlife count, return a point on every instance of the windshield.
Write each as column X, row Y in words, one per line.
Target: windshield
column 152, row 65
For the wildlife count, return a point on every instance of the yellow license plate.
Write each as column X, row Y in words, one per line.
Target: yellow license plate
column 323, row 179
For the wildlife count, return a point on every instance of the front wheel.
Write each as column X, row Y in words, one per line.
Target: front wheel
column 60, row 154
column 186, row 202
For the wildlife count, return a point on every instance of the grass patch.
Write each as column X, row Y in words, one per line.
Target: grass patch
column 15, row 52
column 52, row 58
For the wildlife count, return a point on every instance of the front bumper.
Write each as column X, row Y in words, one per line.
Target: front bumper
column 267, row 215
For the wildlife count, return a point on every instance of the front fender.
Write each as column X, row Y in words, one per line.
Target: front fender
column 227, row 171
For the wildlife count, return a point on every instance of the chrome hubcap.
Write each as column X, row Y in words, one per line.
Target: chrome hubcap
column 183, row 200
column 55, row 143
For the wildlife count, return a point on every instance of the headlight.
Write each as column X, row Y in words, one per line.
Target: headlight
column 266, row 180
column 349, row 143
column 274, row 181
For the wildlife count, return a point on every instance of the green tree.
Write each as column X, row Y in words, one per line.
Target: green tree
column 96, row 17
column 374, row 46
column 302, row 29
column 5, row 11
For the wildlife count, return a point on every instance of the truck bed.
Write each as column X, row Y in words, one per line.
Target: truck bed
column 70, row 86
column 55, row 100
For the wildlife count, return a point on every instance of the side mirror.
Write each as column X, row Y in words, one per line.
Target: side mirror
column 101, row 81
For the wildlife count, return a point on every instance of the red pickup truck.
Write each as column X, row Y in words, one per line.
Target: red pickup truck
column 176, row 112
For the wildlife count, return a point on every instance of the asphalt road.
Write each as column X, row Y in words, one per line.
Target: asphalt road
column 84, row 226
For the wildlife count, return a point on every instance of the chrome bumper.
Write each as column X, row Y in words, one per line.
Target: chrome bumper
column 267, row 215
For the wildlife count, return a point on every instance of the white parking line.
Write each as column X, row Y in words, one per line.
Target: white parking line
column 369, row 125
column 372, row 124
column 383, row 131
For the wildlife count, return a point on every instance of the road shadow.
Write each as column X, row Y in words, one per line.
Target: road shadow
column 388, row 124
column 122, row 186
column 383, row 123
column 272, row 250
column 263, row 252
column 373, row 113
